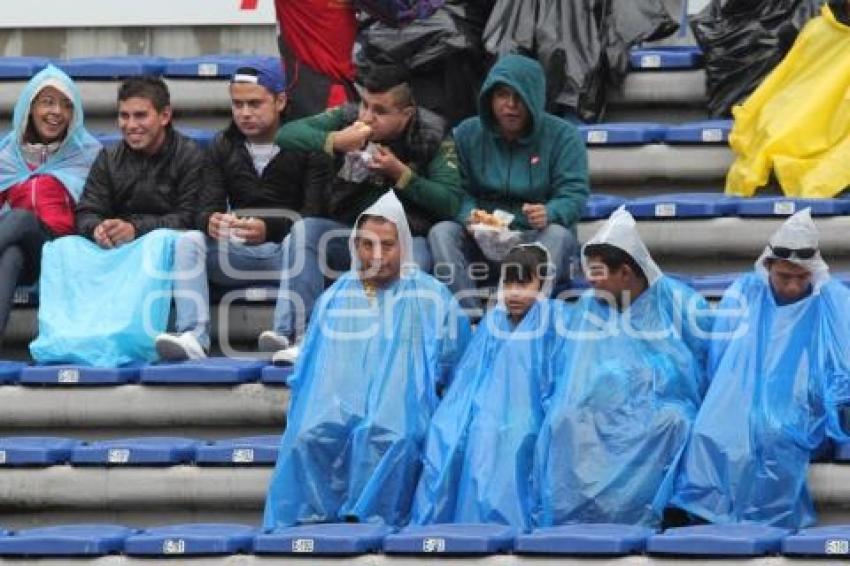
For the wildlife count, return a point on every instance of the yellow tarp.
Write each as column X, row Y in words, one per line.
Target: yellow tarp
column 797, row 122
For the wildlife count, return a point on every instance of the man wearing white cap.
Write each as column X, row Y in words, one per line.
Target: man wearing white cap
column 779, row 374
column 628, row 381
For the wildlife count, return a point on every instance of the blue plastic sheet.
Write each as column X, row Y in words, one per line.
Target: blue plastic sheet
column 363, row 392
column 627, row 387
column 103, row 307
column 775, row 392
column 480, row 448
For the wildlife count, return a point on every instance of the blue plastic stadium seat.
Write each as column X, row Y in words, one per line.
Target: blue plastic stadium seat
column 841, row 452
column 625, row 133
column 26, row 296
column 451, row 539
column 708, row 131
column 21, row 68
column 211, row 371
column 248, row 450
column 145, row 451
column 191, row 539
column 713, row 285
column 718, row 540
column 35, row 450
column 63, row 374
column 601, row 206
column 276, row 375
column 832, row 541
column 609, row 539
column 65, row 540
column 823, row 453
column 669, row 57
column 119, row 67
column 209, row 66
column 684, row 205
column 203, row 137
column 784, row 206
column 324, row 539
column 10, row 372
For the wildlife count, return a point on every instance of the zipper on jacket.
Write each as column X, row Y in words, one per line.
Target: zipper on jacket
column 510, row 162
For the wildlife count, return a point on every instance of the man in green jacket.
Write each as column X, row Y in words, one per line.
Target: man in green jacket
column 385, row 142
column 516, row 158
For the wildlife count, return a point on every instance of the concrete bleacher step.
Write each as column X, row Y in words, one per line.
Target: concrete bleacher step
column 232, row 491
column 90, row 412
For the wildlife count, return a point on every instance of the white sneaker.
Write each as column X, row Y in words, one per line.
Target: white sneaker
column 179, row 347
column 287, row 356
column 271, row 341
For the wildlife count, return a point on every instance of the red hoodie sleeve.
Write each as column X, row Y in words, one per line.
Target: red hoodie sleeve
column 48, row 199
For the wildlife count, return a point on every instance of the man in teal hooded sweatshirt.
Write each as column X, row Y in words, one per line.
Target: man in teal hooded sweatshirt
column 517, row 158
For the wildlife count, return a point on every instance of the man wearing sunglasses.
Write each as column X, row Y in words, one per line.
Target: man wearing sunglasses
column 780, row 378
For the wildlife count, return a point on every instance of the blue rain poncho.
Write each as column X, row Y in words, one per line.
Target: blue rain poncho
column 363, row 391
column 627, row 388
column 71, row 163
column 480, row 450
column 779, row 376
column 100, row 307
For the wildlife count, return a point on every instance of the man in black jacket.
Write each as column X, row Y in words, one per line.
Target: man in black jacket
column 148, row 181
column 252, row 194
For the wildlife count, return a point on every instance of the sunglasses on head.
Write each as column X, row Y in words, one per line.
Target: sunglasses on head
column 786, row 253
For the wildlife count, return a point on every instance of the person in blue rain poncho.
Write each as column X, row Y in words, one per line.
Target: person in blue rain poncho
column 780, row 373
column 480, row 449
column 381, row 343
column 44, row 161
column 628, row 381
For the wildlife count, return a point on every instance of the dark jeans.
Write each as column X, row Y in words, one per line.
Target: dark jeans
column 308, row 89
column 21, row 239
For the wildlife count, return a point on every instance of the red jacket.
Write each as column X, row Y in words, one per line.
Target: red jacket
column 320, row 33
column 47, row 198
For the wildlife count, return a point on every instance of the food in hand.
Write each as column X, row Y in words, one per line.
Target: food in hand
column 484, row 217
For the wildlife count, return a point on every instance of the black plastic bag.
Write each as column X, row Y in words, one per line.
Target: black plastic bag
column 743, row 40
column 398, row 13
column 443, row 53
column 583, row 45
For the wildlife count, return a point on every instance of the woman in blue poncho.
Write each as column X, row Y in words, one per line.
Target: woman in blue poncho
column 480, row 449
column 364, row 388
column 44, row 161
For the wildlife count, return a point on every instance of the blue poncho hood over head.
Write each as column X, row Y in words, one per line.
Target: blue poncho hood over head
column 77, row 151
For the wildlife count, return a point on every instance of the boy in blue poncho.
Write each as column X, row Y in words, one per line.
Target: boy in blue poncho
column 365, row 386
column 478, row 458
column 628, row 381
column 779, row 373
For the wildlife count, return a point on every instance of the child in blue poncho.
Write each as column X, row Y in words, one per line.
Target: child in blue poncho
column 478, row 458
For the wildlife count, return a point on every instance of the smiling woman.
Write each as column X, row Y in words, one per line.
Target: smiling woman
column 43, row 165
